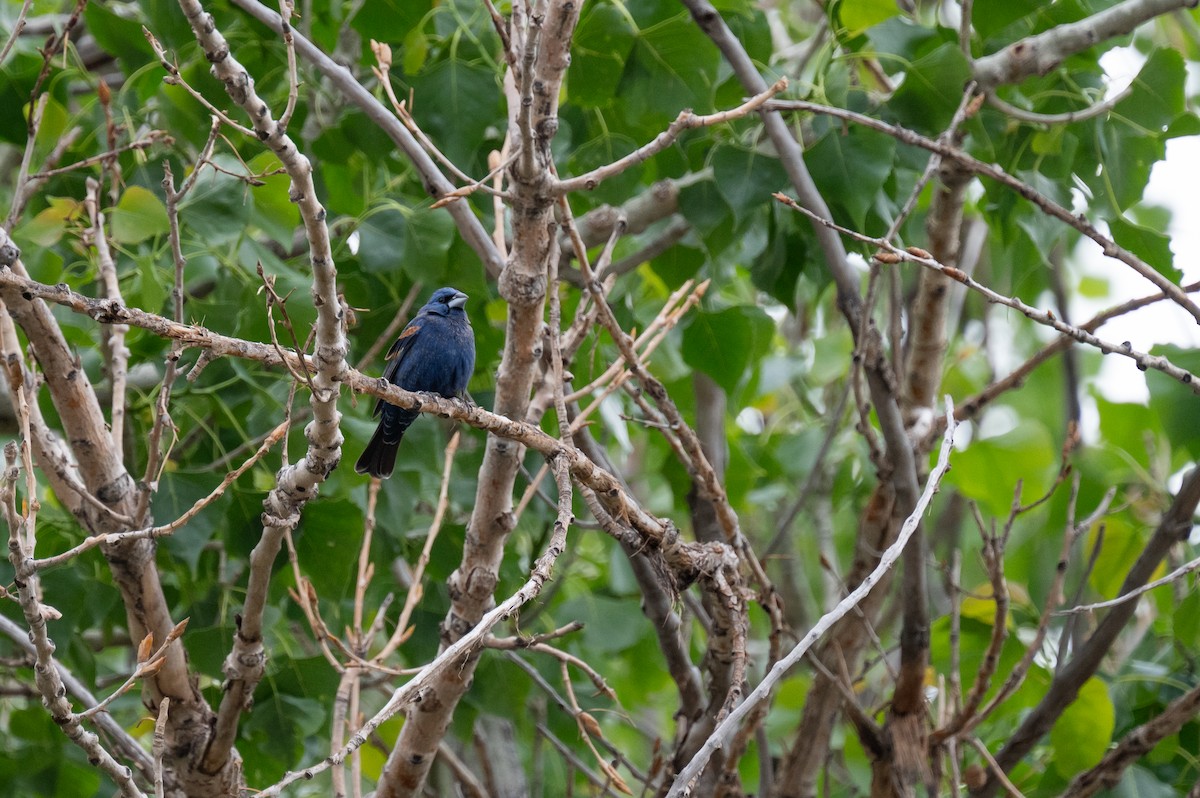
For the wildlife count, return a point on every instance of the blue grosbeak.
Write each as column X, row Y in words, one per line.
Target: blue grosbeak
column 434, row 353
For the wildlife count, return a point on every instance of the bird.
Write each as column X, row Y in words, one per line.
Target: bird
column 435, row 353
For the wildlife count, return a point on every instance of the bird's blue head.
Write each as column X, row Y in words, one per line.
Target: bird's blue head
column 445, row 301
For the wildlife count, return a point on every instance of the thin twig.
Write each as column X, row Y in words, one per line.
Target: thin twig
column 894, row 254
column 166, row 529
column 1045, row 204
column 685, row 121
column 416, row 589
column 19, row 26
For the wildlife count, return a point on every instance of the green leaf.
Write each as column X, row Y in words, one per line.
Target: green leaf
column 455, row 103
column 415, row 241
column 609, row 624
column 704, row 206
column 1126, row 160
column 671, row 68
column 389, row 20
column 858, row 15
column 1121, row 545
column 1186, row 620
column 1084, row 731
column 746, row 178
column 1176, row 405
column 321, row 547
column 427, row 244
column 677, row 264
column 850, row 167
column 990, row 18
column 118, row 34
column 139, row 215
column 215, row 210
column 787, row 255
column 1157, row 95
column 603, row 42
column 989, row 469
column 1138, row 782
column 932, row 89
column 176, row 494
column 1150, row 245
column 274, row 210
column 47, row 228
column 416, row 51
column 725, row 343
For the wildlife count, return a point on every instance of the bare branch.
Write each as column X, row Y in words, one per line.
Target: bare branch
column 1037, row 55
column 118, row 352
column 297, row 483
column 1066, row 118
column 465, row 648
column 128, row 747
column 46, row 675
column 1176, row 523
column 340, row 77
column 685, row 121
column 724, row 732
column 18, row 26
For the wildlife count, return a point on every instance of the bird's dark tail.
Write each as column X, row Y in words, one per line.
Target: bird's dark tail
column 379, row 458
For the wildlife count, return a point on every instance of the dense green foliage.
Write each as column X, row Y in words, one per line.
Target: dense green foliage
column 768, row 334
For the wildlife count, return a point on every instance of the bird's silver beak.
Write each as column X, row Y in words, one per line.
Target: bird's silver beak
column 460, row 299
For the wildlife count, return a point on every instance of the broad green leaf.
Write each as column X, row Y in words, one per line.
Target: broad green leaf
column 54, row 123
column 746, row 178
column 455, row 103
column 427, row 243
column 276, row 732
column 603, row 42
column 1122, row 544
column 176, row 494
column 216, row 209
column 1139, row 782
column 47, row 228
column 671, row 68
column 321, row 546
column 382, row 241
column 415, row 241
column 1124, row 427
column 416, row 51
column 990, row 18
column 1176, row 404
column 858, row 15
column 932, row 89
column 389, row 20
column 1084, row 731
column 677, row 264
column 1187, row 620
column 602, row 149
column 119, row 34
column 850, row 167
column 989, row 470
column 723, row 344
column 139, row 215
column 1150, row 245
column 1125, row 159
column 1157, row 94
column 151, row 288
column 609, row 625
column 274, row 211
column 704, row 206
